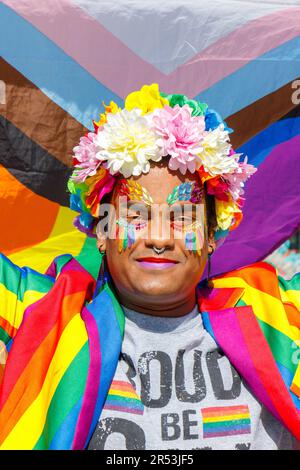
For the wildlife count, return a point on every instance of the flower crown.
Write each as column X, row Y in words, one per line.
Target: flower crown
column 153, row 125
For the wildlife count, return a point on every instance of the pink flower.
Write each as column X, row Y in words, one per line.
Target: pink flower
column 85, row 158
column 180, row 136
column 237, row 179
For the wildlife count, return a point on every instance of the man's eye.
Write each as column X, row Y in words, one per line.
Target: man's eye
column 136, row 218
column 181, row 223
column 183, row 219
column 134, row 215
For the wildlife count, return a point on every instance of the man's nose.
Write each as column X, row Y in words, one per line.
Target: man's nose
column 160, row 233
column 159, row 243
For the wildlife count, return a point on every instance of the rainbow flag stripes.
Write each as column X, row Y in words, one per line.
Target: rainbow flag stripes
column 221, row 421
column 123, row 397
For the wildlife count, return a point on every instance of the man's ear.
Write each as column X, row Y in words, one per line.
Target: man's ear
column 101, row 238
column 101, row 244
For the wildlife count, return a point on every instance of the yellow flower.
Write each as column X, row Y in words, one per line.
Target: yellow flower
column 111, row 108
column 225, row 211
column 147, row 99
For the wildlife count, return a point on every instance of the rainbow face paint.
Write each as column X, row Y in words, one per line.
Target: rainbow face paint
column 194, row 237
column 193, row 192
column 126, row 233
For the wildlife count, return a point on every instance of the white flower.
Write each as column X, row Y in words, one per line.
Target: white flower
column 215, row 156
column 127, row 143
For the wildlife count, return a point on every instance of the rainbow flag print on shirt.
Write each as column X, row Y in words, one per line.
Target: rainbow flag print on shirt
column 225, row 421
column 122, row 397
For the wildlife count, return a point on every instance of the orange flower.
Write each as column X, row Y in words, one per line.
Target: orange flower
column 237, row 217
column 112, row 107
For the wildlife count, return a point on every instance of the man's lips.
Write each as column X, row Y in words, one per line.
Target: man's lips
column 157, row 260
column 156, row 263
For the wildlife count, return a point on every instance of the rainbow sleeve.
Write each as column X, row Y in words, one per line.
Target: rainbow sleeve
column 290, row 295
column 19, row 288
column 61, row 362
column 48, row 357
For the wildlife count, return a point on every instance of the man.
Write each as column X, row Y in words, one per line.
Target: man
column 148, row 358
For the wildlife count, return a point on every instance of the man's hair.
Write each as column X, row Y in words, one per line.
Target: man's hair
column 211, row 217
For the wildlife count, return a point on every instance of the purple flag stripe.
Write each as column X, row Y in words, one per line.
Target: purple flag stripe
column 271, row 211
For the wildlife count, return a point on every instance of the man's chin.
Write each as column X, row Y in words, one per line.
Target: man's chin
column 156, row 292
column 156, row 283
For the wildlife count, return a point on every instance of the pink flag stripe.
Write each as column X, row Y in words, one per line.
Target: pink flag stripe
column 87, row 42
column 95, row 44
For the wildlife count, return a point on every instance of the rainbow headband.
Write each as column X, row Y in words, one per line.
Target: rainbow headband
column 152, row 126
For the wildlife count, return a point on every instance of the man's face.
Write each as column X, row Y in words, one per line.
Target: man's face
column 141, row 275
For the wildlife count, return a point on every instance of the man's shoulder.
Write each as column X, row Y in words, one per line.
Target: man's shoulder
column 255, row 274
column 261, row 278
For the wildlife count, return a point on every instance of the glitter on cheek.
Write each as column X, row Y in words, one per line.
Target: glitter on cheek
column 193, row 239
column 193, row 233
column 126, row 233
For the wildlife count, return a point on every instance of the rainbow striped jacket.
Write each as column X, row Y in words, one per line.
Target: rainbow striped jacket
column 64, row 336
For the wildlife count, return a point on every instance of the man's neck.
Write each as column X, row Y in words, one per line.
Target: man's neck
column 159, row 308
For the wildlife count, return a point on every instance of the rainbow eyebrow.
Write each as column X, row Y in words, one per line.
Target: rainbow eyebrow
column 190, row 191
column 134, row 191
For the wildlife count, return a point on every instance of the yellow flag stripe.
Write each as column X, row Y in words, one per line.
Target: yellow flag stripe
column 215, row 419
column 42, row 254
column 291, row 296
column 121, row 393
column 64, row 222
